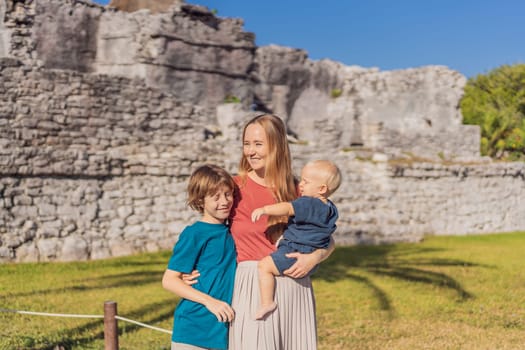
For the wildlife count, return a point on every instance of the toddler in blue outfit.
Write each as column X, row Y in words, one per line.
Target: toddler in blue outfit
column 312, row 220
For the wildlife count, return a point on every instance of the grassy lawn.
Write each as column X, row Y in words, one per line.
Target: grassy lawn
column 463, row 292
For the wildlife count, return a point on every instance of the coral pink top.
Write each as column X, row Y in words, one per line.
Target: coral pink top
column 250, row 238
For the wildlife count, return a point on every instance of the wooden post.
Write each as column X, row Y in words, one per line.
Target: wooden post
column 110, row 326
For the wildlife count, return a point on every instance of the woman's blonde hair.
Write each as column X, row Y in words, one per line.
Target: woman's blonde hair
column 278, row 170
column 207, row 180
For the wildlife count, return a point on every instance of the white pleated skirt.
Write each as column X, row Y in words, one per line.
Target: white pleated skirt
column 292, row 326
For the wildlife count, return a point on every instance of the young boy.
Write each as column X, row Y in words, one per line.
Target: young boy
column 201, row 317
column 311, row 223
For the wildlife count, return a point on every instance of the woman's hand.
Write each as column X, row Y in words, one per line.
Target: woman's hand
column 304, row 264
column 191, row 278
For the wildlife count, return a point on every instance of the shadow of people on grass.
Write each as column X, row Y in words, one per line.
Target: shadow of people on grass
column 411, row 263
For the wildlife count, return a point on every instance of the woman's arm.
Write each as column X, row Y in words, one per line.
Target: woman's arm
column 306, row 262
column 172, row 281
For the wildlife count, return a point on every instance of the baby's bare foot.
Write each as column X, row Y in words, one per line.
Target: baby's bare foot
column 265, row 310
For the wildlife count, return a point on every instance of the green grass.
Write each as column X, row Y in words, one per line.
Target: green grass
column 463, row 292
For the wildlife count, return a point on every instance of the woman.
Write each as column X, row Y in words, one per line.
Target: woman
column 265, row 177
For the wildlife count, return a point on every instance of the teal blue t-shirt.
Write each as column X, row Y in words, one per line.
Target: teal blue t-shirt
column 210, row 249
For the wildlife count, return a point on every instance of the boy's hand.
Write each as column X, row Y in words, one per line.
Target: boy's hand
column 257, row 213
column 221, row 310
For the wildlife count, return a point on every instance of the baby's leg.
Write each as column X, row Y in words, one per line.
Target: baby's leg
column 267, row 271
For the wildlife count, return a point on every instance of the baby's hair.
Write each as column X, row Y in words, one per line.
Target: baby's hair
column 207, row 180
column 329, row 172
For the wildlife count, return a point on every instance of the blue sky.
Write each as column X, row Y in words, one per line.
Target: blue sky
column 470, row 36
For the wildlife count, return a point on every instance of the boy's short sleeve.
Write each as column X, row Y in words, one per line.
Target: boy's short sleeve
column 185, row 252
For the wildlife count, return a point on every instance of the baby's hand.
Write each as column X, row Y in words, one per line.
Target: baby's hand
column 257, row 213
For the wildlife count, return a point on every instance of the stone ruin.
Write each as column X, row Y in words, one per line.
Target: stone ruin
column 105, row 111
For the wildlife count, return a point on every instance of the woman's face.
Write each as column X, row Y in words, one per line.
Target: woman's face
column 255, row 147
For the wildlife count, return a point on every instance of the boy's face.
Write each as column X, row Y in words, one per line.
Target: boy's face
column 311, row 184
column 217, row 206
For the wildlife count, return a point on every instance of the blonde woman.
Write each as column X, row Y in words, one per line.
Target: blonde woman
column 265, row 177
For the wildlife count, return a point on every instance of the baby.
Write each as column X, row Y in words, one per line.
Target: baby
column 311, row 223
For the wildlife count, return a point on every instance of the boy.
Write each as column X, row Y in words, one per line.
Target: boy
column 201, row 317
column 311, row 223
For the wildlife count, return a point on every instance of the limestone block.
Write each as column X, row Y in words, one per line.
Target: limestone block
column 50, row 229
column 99, row 250
column 151, row 247
column 152, row 5
column 23, row 200
column 120, row 248
column 230, row 117
column 68, row 229
column 47, row 248
column 124, row 211
column 27, row 252
column 114, row 232
column 25, row 211
column 133, row 231
column 175, row 228
column 64, row 36
column 74, row 248
column 5, row 33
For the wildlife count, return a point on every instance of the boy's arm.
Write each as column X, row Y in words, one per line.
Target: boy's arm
column 173, row 282
column 277, row 209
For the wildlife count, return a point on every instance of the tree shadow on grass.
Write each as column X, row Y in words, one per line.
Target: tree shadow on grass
column 406, row 263
column 128, row 279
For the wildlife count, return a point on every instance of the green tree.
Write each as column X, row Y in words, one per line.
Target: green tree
column 496, row 102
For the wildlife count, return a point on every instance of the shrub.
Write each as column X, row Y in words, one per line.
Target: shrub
column 336, row 92
column 496, row 102
column 231, row 99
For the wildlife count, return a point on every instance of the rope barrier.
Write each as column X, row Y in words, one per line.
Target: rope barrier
column 50, row 314
column 142, row 324
column 84, row 316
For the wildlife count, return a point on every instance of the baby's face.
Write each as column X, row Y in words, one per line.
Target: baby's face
column 311, row 182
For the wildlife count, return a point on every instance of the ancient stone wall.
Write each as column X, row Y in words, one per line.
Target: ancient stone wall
column 95, row 165
column 187, row 51
column 203, row 59
column 389, row 202
column 91, row 166
column 196, row 56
